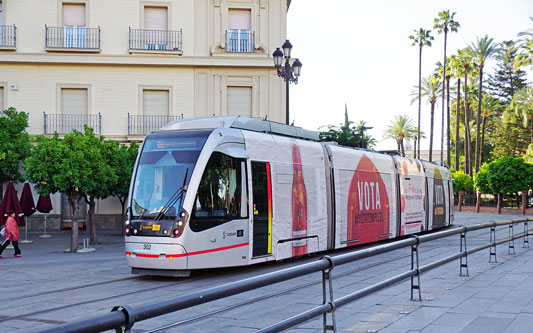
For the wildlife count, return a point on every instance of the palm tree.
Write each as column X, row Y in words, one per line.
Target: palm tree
column 399, row 129
column 431, row 89
column 421, row 38
column 465, row 59
column 439, row 70
column 445, row 23
column 522, row 104
column 482, row 50
column 525, row 58
column 456, row 67
column 489, row 106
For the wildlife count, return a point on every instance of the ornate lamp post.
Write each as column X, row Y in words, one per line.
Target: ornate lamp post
column 287, row 72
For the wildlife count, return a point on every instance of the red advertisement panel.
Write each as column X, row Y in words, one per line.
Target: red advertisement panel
column 299, row 205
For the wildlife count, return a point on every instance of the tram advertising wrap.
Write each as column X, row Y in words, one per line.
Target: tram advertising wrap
column 233, row 191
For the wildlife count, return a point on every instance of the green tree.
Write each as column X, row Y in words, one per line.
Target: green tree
column 399, row 129
column 14, row 145
column 469, row 68
column 482, row 50
column 456, row 69
column 432, row 90
column 443, row 23
column 482, row 180
column 490, row 108
column 348, row 134
column 506, row 81
column 420, row 38
column 462, row 182
column 510, row 175
column 72, row 165
column 525, row 58
column 522, row 105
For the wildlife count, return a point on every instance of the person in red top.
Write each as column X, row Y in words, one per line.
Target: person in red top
column 12, row 232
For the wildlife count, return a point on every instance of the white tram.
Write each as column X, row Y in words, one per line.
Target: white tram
column 232, row 191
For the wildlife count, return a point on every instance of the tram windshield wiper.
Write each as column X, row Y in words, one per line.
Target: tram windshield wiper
column 173, row 199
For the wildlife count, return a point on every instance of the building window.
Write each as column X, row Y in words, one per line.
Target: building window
column 74, row 101
column 156, row 102
column 156, row 18
column 239, row 101
column 74, row 30
column 239, row 37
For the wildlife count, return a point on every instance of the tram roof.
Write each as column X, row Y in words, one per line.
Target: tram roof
column 245, row 123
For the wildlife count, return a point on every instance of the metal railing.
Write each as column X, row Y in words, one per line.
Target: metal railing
column 8, row 36
column 240, row 41
column 125, row 316
column 65, row 123
column 155, row 40
column 144, row 124
column 72, row 38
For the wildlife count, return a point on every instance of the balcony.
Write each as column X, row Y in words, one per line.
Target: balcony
column 144, row 124
column 240, row 41
column 72, row 38
column 8, row 37
column 155, row 41
column 65, row 123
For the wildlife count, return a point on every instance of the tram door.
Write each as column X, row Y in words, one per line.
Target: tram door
column 262, row 209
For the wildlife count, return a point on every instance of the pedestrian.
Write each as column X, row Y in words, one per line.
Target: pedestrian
column 12, row 232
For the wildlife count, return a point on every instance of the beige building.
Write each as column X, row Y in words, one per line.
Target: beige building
column 126, row 67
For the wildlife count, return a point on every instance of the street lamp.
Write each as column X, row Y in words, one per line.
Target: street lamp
column 287, row 72
column 362, row 129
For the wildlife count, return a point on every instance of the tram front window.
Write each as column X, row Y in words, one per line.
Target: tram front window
column 220, row 198
column 166, row 160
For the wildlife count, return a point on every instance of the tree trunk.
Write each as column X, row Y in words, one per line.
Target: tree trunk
column 414, row 152
column 431, row 131
column 73, row 201
column 460, row 203
column 457, row 117
column 531, row 126
column 524, row 201
column 483, row 124
column 443, row 86
column 419, row 96
column 478, row 119
column 402, row 148
column 499, row 205
column 478, row 202
column 467, row 127
column 448, row 138
column 92, row 225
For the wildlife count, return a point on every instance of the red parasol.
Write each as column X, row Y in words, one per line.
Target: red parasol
column 26, row 200
column 44, row 204
column 11, row 202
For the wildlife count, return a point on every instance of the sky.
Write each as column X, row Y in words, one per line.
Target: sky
column 359, row 53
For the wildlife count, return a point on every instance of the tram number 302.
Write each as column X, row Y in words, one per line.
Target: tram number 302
column 147, row 246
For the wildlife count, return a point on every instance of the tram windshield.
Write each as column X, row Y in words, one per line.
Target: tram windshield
column 165, row 165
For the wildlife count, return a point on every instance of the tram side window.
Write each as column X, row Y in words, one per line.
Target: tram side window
column 219, row 198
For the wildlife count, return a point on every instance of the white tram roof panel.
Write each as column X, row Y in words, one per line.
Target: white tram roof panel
column 245, row 123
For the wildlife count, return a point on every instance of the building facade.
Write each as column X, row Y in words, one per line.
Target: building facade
column 127, row 67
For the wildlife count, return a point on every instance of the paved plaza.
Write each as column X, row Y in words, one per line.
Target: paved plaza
column 495, row 297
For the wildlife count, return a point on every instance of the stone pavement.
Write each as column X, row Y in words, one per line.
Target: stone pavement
column 496, row 297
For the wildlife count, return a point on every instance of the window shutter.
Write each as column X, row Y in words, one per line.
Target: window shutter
column 74, row 14
column 2, row 108
column 156, row 18
column 240, row 101
column 74, row 101
column 155, row 102
column 239, row 19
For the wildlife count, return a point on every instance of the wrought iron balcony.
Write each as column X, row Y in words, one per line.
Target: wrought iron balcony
column 240, row 41
column 65, row 123
column 72, row 38
column 155, row 40
column 144, row 124
column 8, row 36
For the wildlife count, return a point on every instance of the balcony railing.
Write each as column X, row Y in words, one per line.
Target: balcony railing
column 8, row 36
column 72, row 38
column 240, row 41
column 65, row 123
column 144, row 124
column 155, row 40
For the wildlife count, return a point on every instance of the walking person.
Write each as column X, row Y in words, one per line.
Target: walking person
column 12, row 232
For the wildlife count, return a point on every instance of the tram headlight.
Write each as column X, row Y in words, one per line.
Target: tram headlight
column 127, row 223
column 180, row 223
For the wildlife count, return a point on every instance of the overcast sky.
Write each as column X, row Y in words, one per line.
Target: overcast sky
column 359, row 52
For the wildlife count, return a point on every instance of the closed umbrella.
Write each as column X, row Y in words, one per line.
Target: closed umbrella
column 11, row 202
column 44, row 205
column 28, row 208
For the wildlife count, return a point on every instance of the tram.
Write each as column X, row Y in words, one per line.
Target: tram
column 232, row 191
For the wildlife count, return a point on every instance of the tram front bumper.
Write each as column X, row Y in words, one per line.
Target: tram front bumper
column 156, row 256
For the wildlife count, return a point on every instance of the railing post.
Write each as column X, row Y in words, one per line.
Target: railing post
column 463, row 250
column 14, row 35
column 130, row 318
column 414, row 253
column 526, row 234
column 492, row 241
column 99, row 123
column 326, row 275
column 511, row 242
column 45, row 36
column 129, row 124
column 44, row 114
